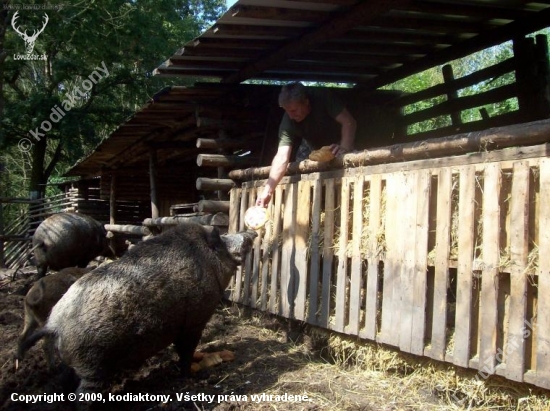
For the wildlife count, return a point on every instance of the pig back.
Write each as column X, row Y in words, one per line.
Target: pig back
column 68, row 239
column 126, row 311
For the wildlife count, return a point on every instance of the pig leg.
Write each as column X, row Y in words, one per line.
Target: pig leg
column 49, row 351
column 30, row 325
column 186, row 342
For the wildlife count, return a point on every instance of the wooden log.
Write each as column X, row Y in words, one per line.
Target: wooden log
column 211, row 206
column 112, row 200
column 153, row 183
column 218, row 143
column 536, row 132
column 220, row 160
column 160, row 221
column 127, row 229
column 214, row 184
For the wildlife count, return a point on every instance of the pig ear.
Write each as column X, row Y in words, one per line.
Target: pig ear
column 213, row 236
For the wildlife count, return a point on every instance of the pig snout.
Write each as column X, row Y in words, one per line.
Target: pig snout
column 239, row 244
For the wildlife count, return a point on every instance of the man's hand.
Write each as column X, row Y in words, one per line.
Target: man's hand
column 264, row 198
column 338, row 150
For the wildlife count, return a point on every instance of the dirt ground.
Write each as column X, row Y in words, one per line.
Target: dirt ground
column 266, row 362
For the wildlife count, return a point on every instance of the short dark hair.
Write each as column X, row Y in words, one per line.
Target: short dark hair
column 295, row 91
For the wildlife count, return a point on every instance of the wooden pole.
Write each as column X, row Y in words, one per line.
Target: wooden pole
column 216, row 143
column 537, row 132
column 2, row 261
column 153, row 182
column 112, row 200
column 214, row 184
column 127, row 229
column 219, row 160
column 210, row 206
column 448, row 77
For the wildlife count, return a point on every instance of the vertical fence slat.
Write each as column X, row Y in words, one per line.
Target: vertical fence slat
column 251, row 257
column 388, row 333
column 255, row 273
column 519, row 223
column 491, row 260
column 328, row 253
column 420, row 262
column 287, row 257
column 356, row 260
column 463, row 323
column 341, row 274
column 266, row 254
column 234, row 207
column 442, row 252
column 371, row 305
column 300, row 252
column 407, row 248
column 314, row 251
column 543, row 311
column 276, row 252
column 241, row 269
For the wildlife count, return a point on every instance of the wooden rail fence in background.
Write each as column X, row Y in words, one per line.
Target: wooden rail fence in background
column 436, row 257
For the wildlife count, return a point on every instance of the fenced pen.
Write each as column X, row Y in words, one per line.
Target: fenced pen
column 439, row 257
column 21, row 217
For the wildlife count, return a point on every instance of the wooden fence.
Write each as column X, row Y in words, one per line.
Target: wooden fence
column 436, row 257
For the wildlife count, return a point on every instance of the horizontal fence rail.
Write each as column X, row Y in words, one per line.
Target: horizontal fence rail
column 439, row 259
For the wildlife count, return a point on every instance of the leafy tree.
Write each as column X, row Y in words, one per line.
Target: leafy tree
column 115, row 43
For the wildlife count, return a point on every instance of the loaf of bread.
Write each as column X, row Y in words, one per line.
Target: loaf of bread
column 323, row 154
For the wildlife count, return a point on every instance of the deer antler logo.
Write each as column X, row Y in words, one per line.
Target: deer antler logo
column 29, row 40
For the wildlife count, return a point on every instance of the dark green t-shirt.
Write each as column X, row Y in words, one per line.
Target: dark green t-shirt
column 319, row 128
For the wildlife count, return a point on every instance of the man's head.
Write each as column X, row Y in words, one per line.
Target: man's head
column 294, row 100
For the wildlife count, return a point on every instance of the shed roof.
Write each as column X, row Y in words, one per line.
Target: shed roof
column 367, row 41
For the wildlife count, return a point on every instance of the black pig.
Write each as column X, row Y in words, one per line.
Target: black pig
column 68, row 240
column 39, row 301
column 162, row 291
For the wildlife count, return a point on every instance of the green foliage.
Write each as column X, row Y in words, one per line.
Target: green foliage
column 130, row 38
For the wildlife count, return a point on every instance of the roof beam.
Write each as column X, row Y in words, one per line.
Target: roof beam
column 361, row 13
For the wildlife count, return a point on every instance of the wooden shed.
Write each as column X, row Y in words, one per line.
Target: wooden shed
column 434, row 242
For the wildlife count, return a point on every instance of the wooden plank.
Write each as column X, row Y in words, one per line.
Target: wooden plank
column 371, row 304
column 249, row 263
column 420, row 262
column 356, row 259
column 491, row 260
column 266, row 254
column 276, row 252
column 514, row 350
column 341, row 274
column 255, row 275
column 407, row 248
column 543, row 313
column 241, row 269
column 315, row 257
column 442, row 252
column 328, row 253
column 287, row 260
column 466, row 237
column 392, row 260
column 303, row 207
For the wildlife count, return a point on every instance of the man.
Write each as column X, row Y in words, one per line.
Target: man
column 311, row 116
